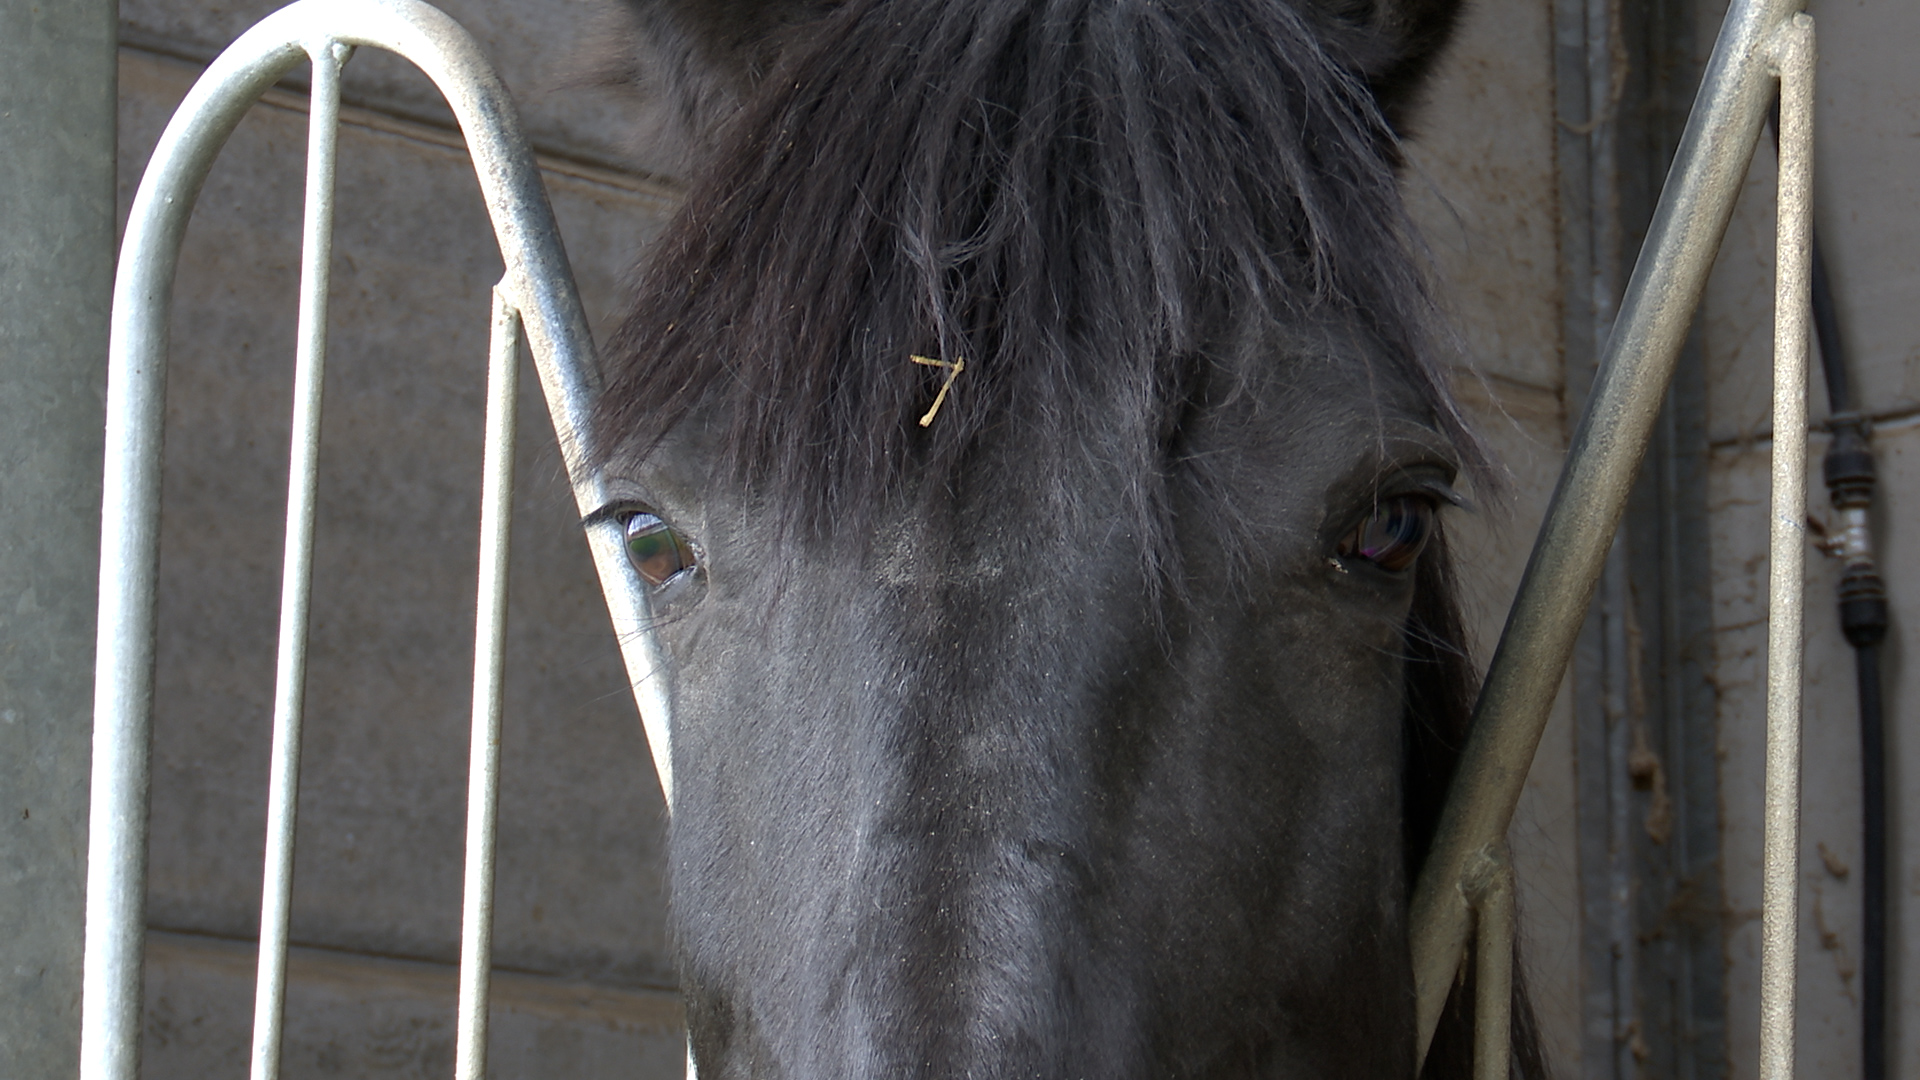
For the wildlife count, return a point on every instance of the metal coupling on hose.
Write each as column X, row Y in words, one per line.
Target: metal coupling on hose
column 1850, row 475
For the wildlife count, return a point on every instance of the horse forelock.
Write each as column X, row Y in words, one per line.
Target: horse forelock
column 1089, row 201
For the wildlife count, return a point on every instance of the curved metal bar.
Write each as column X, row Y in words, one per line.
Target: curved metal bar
column 1605, row 455
column 538, row 284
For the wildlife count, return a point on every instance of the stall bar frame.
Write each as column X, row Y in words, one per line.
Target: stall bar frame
column 1763, row 46
column 1763, row 43
column 536, row 295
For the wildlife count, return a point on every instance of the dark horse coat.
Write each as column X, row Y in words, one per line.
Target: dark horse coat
column 1034, row 424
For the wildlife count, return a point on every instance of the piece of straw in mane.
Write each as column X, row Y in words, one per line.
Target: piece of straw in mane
column 1090, row 200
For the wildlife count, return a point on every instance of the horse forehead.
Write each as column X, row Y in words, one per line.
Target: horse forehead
column 1287, row 443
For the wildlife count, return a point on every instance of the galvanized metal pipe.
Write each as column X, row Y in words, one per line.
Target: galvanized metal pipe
column 1493, row 973
column 1791, row 51
column 489, row 661
column 296, row 578
column 538, row 284
column 123, row 658
column 1605, row 455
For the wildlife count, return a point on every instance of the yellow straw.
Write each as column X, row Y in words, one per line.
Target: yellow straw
column 954, row 368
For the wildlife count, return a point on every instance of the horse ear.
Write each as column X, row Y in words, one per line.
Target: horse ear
column 738, row 39
column 691, row 63
column 1394, row 43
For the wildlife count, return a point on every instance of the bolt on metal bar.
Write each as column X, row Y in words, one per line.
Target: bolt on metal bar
column 1791, row 51
column 296, row 580
column 538, row 285
column 489, row 661
column 1636, row 365
column 1493, row 971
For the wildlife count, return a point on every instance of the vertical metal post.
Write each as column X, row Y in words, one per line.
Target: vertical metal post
column 56, row 270
column 489, row 656
column 1493, row 969
column 296, row 581
column 1791, row 51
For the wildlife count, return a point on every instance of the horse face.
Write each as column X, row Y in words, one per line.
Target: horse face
column 1046, row 716
column 982, row 794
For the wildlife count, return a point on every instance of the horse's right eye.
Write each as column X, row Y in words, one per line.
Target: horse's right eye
column 1393, row 536
column 656, row 551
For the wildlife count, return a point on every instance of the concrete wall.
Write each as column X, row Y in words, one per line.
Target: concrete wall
column 56, row 274
column 1867, row 179
column 580, row 912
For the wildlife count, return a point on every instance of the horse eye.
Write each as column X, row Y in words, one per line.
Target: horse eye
column 658, row 552
column 1393, row 535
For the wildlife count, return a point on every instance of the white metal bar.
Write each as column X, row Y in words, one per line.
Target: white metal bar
column 296, row 580
column 489, row 658
column 1792, row 53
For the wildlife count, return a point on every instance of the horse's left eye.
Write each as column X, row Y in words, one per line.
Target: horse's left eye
column 658, row 552
column 1393, row 535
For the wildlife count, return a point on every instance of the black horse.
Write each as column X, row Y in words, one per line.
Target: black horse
column 1034, row 429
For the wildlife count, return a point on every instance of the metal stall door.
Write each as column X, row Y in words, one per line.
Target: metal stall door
column 535, row 297
column 1764, row 47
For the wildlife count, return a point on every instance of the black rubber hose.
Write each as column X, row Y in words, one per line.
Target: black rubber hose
column 1826, row 330
column 1849, row 469
column 1873, row 872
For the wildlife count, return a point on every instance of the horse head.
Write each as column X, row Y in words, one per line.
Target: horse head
column 1034, row 432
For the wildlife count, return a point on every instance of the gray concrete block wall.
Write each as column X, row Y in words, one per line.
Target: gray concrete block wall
column 56, row 274
column 379, row 1018
column 543, row 51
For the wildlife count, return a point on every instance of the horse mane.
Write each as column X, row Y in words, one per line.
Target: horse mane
column 1073, row 196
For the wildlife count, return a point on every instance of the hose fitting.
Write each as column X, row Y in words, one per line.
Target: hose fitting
column 1850, row 476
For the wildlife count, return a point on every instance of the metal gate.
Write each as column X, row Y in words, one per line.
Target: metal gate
column 536, row 296
column 1763, row 44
